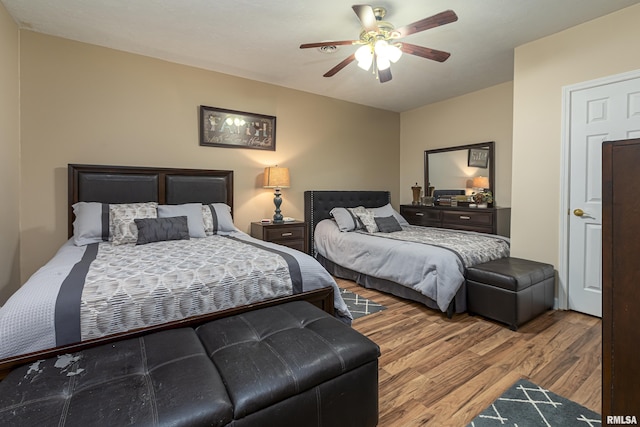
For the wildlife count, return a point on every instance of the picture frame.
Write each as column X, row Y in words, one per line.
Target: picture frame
column 478, row 157
column 219, row 127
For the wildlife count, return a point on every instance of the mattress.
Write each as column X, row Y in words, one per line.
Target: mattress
column 87, row 292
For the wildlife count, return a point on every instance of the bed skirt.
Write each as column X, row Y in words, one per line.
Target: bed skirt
column 458, row 305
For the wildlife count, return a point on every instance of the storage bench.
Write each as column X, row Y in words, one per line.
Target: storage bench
column 286, row 365
column 510, row 290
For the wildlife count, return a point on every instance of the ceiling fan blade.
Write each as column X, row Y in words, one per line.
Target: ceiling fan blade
column 334, row 43
column 384, row 75
column 442, row 18
column 348, row 60
column 366, row 17
column 424, row 52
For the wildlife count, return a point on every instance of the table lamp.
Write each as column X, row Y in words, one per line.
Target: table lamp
column 276, row 177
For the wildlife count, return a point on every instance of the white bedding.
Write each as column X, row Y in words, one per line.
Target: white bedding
column 435, row 272
column 28, row 319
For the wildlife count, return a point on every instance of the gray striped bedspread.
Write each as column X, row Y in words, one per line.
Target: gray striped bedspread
column 102, row 289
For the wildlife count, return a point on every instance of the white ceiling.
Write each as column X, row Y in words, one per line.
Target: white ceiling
column 260, row 40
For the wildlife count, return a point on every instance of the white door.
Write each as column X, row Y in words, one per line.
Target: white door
column 598, row 113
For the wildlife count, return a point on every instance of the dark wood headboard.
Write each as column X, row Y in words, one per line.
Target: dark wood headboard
column 318, row 204
column 130, row 184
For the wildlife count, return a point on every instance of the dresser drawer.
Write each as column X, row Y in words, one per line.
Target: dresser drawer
column 467, row 219
column 421, row 216
column 276, row 234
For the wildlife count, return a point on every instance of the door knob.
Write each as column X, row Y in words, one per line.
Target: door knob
column 578, row 212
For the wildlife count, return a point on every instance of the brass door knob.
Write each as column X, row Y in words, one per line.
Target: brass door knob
column 578, row 212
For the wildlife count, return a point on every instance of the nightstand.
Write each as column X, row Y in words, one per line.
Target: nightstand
column 291, row 234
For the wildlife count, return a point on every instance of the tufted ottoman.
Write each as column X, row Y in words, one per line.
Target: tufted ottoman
column 510, row 290
column 286, row 365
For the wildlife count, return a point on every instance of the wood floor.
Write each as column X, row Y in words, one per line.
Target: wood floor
column 443, row 372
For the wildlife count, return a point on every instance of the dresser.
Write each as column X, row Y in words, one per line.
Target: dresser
column 620, row 278
column 291, row 234
column 483, row 220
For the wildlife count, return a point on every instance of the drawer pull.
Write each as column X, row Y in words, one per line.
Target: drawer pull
column 419, row 214
column 287, row 234
column 465, row 217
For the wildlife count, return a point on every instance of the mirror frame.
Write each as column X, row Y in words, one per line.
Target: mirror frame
column 492, row 172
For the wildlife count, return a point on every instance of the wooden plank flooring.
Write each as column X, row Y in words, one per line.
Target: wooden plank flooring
column 443, row 372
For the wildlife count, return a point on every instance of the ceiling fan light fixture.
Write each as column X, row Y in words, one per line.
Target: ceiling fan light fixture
column 382, row 62
column 393, row 52
column 364, row 56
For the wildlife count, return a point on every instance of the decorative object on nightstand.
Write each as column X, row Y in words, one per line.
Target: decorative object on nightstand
column 483, row 198
column 288, row 233
column 276, row 177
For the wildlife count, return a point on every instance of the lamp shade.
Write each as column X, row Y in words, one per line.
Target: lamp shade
column 276, row 177
column 480, row 182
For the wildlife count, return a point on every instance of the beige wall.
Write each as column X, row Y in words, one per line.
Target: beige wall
column 481, row 116
column 9, row 156
column 87, row 104
column 602, row 47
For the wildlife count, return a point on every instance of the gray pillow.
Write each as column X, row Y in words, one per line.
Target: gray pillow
column 387, row 210
column 387, row 224
column 217, row 219
column 161, row 229
column 193, row 212
column 91, row 224
column 345, row 218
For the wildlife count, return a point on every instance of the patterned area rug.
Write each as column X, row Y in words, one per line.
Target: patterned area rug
column 359, row 306
column 528, row 405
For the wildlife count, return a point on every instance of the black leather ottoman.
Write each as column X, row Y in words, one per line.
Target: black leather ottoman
column 510, row 290
column 286, row 365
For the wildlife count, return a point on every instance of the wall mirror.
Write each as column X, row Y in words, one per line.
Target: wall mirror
column 454, row 168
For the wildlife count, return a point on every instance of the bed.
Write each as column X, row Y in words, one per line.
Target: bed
column 190, row 264
column 423, row 264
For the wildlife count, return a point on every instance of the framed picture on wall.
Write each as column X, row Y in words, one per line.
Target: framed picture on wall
column 236, row 129
column 478, row 157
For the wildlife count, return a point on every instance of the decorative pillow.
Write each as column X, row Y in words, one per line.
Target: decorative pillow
column 217, row 218
column 345, row 218
column 387, row 224
column 162, row 229
column 91, row 224
column 367, row 218
column 122, row 227
column 387, row 210
column 193, row 212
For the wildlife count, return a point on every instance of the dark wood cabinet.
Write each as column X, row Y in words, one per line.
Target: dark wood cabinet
column 291, row 234
column 482, row 220
column 620, row 279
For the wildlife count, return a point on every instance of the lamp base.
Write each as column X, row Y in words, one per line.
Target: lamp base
column 277, row 200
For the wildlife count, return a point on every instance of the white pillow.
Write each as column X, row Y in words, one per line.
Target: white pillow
column 122, row 227
column 217, row 218
column 193, row 212
column 91, row 224
column 387, row 210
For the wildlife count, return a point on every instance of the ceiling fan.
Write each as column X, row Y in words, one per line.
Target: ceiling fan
column 378, row 41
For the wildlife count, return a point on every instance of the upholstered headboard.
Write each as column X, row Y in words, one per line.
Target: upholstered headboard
column 318, row 204
column 128, row 184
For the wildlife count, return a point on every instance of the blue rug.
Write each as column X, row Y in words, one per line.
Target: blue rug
column 359, row 306
column 528, row 405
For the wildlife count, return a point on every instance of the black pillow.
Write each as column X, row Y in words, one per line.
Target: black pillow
column 161, row 229
column 387, row 224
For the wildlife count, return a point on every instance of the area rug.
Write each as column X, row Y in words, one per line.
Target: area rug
column 528, row 405
column 359, row 306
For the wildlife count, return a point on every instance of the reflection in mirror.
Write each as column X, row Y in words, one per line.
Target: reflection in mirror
column 449, row 168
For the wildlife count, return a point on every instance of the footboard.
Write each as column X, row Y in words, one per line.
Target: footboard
column 321, row 298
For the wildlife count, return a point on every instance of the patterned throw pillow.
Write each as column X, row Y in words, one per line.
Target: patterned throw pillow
column 161, row 229
column 122, row 227
column 366, row 217
column 217, row 217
